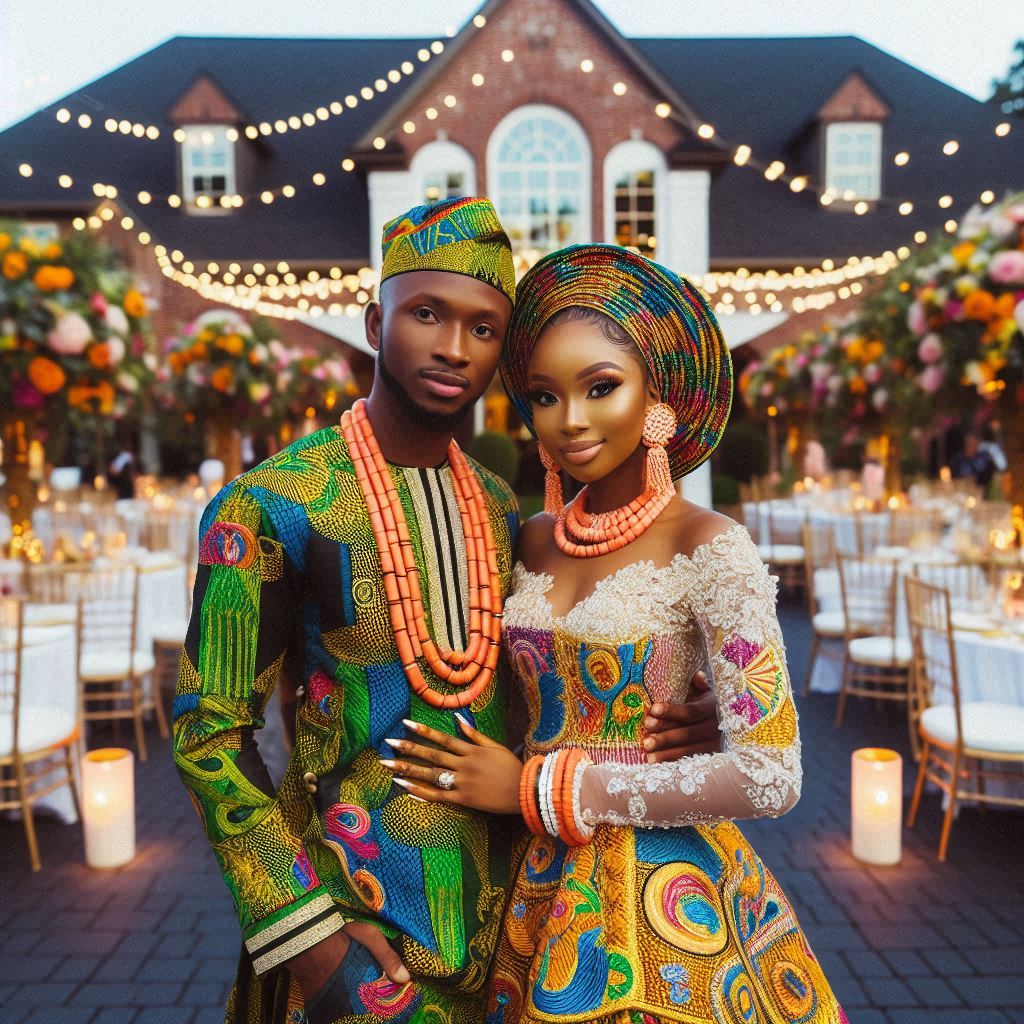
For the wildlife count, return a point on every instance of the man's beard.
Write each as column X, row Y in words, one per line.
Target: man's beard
column 434, row 422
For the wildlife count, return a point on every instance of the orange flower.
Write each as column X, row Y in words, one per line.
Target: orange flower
column 134, row 304
column 99, row 355
column 79, row 396
column 858, row 386
column 52, row 251
column 15, row 264
column 979, row 305
column 198, row 351
column 5, row 240
column 53, row 279
column 222, row 378
column 46, row 376
column 873, row 351
column 1005, row 306
column 233, row 344
column 105, row 395
column 176, row 361
column 963, row 252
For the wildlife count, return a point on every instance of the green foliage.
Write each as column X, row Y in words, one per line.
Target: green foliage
column 1008, row 92
column 725, row 490
column 498, row 453
column 743, row 452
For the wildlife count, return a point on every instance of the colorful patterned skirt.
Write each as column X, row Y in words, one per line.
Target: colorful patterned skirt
column 643, row 926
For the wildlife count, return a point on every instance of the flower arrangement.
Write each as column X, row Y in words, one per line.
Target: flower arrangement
column 967, row 314
column 75, row 340
column 310, row 386
column 222, row 366
column 787, row 380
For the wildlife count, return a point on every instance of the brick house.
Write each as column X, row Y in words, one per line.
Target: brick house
column 259, row 171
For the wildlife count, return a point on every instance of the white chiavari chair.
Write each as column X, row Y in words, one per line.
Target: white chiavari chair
column 37, row 735
column 956, row 737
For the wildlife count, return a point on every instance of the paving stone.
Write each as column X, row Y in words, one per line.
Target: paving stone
column 59, row 1015
column 21, row 969
column 914, row 936
column 946, row 961
column 889, row 992
column 1004, row 960
column 115, row 1015
column 905, row 962
column 995, row 990
column 932, row 991
column 864, row 962
column 43, row 993
column 958, row 1016
column 76, row 968
column 166, row 1015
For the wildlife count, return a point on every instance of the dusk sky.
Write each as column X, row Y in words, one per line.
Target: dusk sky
column 47, row 51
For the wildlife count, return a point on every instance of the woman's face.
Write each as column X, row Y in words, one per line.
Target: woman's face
column 589, row 398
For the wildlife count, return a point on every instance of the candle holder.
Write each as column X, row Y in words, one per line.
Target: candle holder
column 876, row 805
column 108, row 807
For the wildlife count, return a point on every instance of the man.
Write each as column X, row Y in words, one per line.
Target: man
column 297, row 572
column 974, row 461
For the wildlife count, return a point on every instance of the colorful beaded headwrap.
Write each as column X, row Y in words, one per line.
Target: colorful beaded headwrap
column 461, row 236
column 665, row 315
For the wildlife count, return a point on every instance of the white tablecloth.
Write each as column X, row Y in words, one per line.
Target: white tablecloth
column 788, row 516
column 163, row 596
column 49, row 677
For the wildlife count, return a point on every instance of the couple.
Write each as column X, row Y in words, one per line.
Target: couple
column 390, row 876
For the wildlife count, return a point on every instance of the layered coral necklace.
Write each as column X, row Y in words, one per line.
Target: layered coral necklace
column 473, row 667
column 583, row 534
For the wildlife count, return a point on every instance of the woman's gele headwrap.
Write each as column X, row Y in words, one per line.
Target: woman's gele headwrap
column 666, row 316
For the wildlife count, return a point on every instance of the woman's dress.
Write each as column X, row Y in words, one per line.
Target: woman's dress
column 667, row 915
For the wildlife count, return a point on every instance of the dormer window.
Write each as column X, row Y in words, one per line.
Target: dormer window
column 208, row 164
column 853, row 160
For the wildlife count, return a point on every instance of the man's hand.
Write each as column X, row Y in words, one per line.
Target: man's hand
column 313, row 967
column 678, row 730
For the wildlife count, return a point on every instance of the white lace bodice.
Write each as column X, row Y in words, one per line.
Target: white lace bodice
column 716, row 607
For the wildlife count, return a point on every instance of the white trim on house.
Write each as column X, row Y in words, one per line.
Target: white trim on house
column 631, row 156
column 853, row 159
column 435, row 163
column 207, row 152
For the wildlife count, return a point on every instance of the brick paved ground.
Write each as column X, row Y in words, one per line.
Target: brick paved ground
column 156, row 942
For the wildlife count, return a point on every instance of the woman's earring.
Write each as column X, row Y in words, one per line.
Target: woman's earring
column 553, row 499
column 659, row 429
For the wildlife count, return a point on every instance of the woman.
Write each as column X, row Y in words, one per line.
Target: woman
column 637, row 900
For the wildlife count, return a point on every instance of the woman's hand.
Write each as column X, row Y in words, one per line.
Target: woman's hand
column 486, row 773
column 678, row 730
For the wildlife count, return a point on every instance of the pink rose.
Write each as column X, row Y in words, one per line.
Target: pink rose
column 916, row 319
column 930, row 349
column 98, row 303
column 116, row 319
column 766, row 389
column 872, row 373
column 1007, row 267
column 931, row 379
column 70, row 335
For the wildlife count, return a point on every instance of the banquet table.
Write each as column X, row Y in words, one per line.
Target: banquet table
column 788, row 516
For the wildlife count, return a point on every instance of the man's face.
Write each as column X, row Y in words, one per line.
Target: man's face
column 438, row 337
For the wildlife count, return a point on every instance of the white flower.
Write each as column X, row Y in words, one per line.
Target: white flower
column 116, row 319
column 126, row 382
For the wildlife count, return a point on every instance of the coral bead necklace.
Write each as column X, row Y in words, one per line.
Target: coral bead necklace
column 582, row 534
column 473, row 667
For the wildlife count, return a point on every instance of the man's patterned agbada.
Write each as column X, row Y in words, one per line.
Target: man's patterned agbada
column 290, row 580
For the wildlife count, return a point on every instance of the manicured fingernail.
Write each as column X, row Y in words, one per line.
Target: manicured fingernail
column 402, row 975
column 387, row 762
column 650, row 723
column 393, row 743
column 410, row 724
column 652, row 758
column 657, row 709
column 462, row 721
column 648, row 744
column 404, row 783
column 418, row 799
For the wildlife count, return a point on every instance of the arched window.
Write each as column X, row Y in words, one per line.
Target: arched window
column 442, row 170
column 538, row 175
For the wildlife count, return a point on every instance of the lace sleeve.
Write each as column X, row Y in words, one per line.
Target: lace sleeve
column 757, row 774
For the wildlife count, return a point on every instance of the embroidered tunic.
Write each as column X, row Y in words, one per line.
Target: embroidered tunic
column 668, row 914
column 290, row 577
